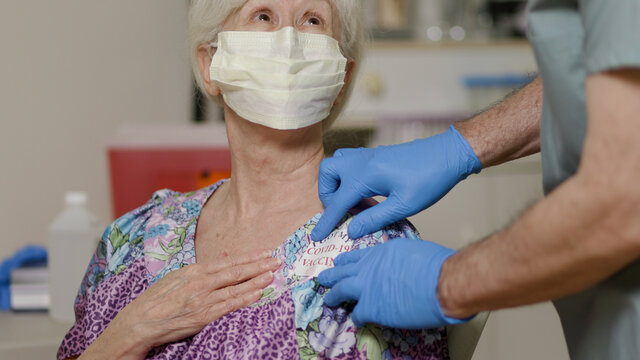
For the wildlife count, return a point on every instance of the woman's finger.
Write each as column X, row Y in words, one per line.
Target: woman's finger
column 235, row 291
column 220, row 309
column 232, row 298
column 241, row 273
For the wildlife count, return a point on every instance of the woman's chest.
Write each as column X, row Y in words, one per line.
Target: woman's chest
column 216, row 239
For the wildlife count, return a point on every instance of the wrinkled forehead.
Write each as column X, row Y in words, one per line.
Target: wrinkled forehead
column 327, row 5
column 324, row 8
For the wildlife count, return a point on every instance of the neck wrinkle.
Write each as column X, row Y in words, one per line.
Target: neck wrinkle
column 274, row 171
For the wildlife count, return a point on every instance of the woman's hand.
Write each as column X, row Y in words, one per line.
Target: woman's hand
column 182, row 303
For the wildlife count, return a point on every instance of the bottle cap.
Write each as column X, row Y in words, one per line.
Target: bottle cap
column 76, row 198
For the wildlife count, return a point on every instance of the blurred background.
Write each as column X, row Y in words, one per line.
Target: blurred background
column 96, row 95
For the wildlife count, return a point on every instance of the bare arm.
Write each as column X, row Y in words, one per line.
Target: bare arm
column 509, row 130
column 584, row 231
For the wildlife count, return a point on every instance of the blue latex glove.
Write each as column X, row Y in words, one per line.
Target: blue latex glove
column 413, row 176
column 394, row 284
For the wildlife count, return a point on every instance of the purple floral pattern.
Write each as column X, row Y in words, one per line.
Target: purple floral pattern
column 290, row 321
column 333, row 335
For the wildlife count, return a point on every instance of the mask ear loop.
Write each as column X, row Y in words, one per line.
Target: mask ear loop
column 213, row 47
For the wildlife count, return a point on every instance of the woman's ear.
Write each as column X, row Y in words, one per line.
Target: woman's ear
column 204, row 62
column 347, row 79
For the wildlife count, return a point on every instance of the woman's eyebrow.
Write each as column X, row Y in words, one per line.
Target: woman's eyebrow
column 251, row 6
column 326, row 5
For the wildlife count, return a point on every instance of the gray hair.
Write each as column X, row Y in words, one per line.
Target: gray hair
column 207, row 17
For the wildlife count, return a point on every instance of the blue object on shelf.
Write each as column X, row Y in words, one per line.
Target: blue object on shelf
column 507, row 80
column 29, row 254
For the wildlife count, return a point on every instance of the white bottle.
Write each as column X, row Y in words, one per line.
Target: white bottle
column 73, row 237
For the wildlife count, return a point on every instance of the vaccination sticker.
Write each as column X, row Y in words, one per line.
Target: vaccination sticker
column 319, row 256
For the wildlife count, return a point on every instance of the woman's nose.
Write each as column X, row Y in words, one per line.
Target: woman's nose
column 287, row 19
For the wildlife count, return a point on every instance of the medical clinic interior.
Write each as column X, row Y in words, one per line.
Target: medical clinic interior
column 100, row 110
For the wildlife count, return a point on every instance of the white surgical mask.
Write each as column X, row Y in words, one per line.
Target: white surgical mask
column 284, row 79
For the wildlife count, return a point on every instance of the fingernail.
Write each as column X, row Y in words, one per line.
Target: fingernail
column 269, row 277
column 264, row 279
column 273, row 262
column 267, row 253
column 270, row 264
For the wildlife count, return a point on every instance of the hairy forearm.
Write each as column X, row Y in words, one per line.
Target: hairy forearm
column 509, row 130
column 583, row 232
column 565, row 243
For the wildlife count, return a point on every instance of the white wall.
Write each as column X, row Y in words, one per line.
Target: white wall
column 71, row 71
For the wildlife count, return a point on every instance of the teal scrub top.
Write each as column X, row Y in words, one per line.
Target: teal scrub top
column 572, row 39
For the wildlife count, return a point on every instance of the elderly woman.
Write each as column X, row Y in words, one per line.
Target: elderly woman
column 196, row 275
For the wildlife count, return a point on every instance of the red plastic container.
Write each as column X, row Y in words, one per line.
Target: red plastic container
column 139, row 168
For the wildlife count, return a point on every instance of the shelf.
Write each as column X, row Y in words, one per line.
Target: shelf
column 474, row 44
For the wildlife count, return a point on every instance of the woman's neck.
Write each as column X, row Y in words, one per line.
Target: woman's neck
column 273, row 171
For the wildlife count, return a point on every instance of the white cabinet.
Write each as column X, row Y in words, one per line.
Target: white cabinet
column 415, row 80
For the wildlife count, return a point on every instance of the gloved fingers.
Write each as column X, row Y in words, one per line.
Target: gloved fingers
column 350, row 257
column 358, row 316
column 344, row 199
column 330, row 277
column 377, row 217
column 346, row 151
column 328, row 180
column 345, row 290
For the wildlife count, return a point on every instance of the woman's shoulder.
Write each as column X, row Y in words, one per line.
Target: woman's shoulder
column 122, row 242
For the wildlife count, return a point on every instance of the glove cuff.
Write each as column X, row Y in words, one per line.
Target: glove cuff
column 470, row 162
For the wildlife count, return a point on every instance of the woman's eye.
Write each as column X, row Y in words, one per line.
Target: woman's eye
column 263, row 17
column 313, row 21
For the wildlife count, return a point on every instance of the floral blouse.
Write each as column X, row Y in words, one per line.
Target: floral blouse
column 290, row 321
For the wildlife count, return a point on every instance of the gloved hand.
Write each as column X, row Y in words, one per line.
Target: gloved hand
column 394, row 284
column 413, row 176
